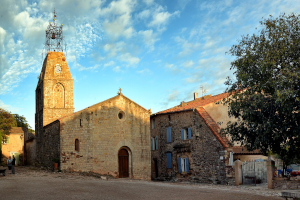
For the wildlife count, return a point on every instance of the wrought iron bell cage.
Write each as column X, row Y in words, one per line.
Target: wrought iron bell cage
column 54, row 37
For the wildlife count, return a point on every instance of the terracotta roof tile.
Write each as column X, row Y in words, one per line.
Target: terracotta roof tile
column 195, row 103
column 213, row 126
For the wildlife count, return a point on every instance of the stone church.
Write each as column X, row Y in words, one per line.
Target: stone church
column 109, row 138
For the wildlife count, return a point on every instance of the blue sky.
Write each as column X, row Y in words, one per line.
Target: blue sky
column 158, row 51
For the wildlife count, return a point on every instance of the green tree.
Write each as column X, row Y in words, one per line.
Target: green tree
column 22, row 122
column 7, row 121
column 267, row 110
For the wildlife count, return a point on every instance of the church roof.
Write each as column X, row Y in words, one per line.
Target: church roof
column 110, row 99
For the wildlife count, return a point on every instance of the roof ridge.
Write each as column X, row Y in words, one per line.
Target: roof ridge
column 195, row 103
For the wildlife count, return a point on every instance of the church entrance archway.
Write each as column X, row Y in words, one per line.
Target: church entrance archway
column 123, row 156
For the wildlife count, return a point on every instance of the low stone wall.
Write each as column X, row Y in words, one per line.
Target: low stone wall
column 286, row 184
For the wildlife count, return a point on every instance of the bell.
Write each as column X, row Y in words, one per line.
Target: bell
column 53, row 36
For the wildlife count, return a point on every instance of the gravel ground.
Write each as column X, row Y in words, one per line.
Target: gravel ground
column 36, row 183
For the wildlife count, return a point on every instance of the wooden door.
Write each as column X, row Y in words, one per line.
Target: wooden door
column 123, row 163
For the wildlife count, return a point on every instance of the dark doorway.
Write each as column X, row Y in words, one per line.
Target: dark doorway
column 123, row 163
column 155, row 167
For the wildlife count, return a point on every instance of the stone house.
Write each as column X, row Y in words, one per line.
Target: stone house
column 108, row 138
column 186, row 142
column 14, row 144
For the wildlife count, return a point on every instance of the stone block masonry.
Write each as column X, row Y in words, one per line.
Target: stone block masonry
column 203, row 150
column 101, row 134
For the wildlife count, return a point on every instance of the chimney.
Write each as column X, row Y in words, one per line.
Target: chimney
column 195, row 95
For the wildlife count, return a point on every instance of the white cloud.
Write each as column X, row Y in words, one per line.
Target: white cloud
column 131, row 60
column 118, row 19
column 173, row 95
column 110, row 63
column 169, row 65
column 143, row 15
column 149, row 38
column 82, row 68
column 187, row 47
column 144, row 71
column 148, row 2
column 118, row 50
column 8, row 107
column 114, row 48
column 188, row 64
column 160, row 18
column 117, row 69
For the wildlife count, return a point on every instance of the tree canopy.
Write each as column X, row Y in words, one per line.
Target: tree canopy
column 7, row 121
column 266, row 90
column 21, row 121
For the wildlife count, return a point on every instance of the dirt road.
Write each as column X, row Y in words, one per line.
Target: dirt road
column 33, row 183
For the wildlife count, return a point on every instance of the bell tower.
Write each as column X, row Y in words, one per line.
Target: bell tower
column 54, row 91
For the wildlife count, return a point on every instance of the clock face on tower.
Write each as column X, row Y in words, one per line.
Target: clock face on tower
column 57, row 68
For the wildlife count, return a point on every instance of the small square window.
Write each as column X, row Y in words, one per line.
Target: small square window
column 186, row 133
column 4, row 140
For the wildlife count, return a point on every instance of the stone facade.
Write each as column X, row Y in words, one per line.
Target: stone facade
column 203, row 149
column 101, row 134
column 54, row 96
column 110, row 138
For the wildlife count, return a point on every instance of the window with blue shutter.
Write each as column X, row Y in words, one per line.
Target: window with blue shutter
column 183, row 165
column 187, row 165
column 169, row 135
column 182, row 134
column 179, row 165
column 169, row 160
column 189, row 133
column 156, row 143
column 152, row 144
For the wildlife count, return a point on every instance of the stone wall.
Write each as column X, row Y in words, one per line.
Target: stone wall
column 49, row 149
column 31, row 151
column 102, row 134
column 203, row 149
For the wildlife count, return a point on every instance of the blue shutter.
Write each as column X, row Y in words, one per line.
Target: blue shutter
column 169, row 135
column 187, row 165
column 182, row 134
column 169, row 160
column 151, row 143
column 179, row 165
column 156, row 143
column 189, row 133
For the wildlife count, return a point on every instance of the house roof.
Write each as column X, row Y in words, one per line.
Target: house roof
column 243, row 150
column 201, row 101
column 16, row 130
column 213, row 126
column 197, row 105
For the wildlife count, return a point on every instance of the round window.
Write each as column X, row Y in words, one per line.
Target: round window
column 121, row 115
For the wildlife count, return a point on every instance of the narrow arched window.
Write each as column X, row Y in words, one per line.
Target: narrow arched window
column 76, row 145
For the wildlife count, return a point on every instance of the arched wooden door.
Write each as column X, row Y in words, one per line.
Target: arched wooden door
column 123, row 163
